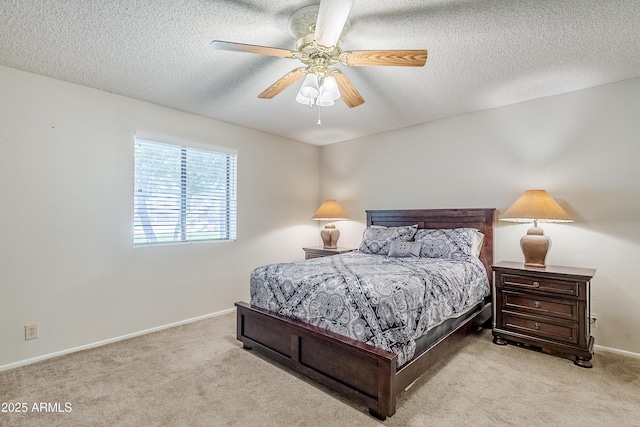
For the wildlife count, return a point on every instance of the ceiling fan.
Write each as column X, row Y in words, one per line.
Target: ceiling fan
column 318, row 30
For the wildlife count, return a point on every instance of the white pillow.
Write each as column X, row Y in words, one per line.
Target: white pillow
column 476, row 246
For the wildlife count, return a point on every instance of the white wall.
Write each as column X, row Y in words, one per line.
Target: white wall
column 582, row 147
column 66, row 185
column 66, row 242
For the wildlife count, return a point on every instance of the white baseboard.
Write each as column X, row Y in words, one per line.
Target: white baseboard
column 195, row 319
column 616, row 351
column 111, row 340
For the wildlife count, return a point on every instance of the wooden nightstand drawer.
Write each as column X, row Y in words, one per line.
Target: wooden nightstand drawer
column 567, row 333
column 562, row 309
column 544, row 307
column 532, row 283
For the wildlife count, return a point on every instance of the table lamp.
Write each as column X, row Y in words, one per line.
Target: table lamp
column 534, row 206
column 330, row 210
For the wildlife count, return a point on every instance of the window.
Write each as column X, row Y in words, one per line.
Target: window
column 183, row 194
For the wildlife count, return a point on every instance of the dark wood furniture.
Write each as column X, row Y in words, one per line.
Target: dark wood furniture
column 547, row 308
column 320, row 251
column 360, row 371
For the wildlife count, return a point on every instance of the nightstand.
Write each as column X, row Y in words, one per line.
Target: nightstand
column 319, row 252
column 544, row 307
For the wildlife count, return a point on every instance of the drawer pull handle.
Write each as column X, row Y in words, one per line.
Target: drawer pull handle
column 537, row 304
column 536, row 284
column 537, row 325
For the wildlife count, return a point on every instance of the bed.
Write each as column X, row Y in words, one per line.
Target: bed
column 371, row 375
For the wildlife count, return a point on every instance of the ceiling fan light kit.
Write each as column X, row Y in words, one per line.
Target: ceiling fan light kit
column 318, row 30
column 323, row 94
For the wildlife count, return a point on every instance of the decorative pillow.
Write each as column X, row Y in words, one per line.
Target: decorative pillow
column 377, row 240
column 448, row 243
column 402, row 249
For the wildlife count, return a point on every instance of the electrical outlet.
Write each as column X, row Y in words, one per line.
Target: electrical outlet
column 31, row 332
column 593, row 320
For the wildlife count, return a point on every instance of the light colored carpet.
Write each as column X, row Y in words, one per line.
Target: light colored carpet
column 199, row 375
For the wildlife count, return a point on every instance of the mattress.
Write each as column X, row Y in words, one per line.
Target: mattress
column 384, row 301
column 438, row 331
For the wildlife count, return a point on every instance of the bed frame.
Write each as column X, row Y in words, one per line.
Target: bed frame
column 360, row 371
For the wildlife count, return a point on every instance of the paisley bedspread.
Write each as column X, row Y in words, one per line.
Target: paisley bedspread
column 383, row 301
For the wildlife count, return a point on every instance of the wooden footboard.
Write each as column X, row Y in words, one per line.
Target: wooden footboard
column 357, row 370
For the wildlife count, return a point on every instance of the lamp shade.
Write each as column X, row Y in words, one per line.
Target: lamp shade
column 534, row 206
column 330, row 210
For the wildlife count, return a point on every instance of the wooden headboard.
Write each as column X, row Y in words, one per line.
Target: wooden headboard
column 480, row 219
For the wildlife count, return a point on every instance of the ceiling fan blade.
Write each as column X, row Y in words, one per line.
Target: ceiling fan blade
column 401, row 58
column 348, row 92
column 282, row 84
column 252, row 48
column 332, row 16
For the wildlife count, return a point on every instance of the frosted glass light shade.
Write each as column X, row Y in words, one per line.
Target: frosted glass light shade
column 324, row 102
column 310, row 87
column 329, row 89
column 304, row 100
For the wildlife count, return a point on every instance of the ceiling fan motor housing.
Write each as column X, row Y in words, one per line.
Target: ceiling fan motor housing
column 302, row 22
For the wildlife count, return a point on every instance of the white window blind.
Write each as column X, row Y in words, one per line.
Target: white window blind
column 183, row 194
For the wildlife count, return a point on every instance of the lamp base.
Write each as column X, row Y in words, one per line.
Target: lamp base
column 330, row 235
column 535, row 247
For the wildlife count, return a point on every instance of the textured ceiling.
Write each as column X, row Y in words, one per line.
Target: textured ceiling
column 482, row 54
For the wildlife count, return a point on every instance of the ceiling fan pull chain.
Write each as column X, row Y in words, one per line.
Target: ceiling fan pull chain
column 319, row 120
